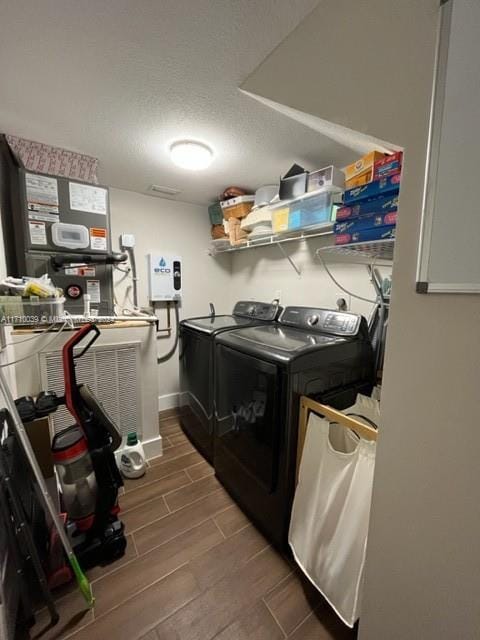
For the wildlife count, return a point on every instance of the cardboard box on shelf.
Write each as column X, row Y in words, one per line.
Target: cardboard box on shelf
column 379, row 205
column 39, row 435
column 388, row 166
column 365, row 222
column 236, row 234
column 382, row 187
column 385, row 232
column 362, row 167
column 358, row 181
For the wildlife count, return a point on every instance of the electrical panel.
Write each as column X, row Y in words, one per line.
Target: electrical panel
column 164, row 277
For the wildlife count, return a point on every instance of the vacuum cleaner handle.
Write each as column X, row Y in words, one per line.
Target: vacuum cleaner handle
column 77, row 337
column 81, row 334
column 72, row 396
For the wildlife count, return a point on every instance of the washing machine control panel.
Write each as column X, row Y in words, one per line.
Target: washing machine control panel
column 322, row 320
column 256, row 310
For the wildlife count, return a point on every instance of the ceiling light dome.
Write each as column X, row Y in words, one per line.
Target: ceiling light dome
column 192, row 155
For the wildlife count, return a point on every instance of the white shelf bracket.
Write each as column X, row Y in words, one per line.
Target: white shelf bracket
column 291, row 261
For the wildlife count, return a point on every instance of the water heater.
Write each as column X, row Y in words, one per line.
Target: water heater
column 164, row 277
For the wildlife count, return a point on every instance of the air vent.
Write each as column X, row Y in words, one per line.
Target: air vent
column 163, row 191
column 113, row 374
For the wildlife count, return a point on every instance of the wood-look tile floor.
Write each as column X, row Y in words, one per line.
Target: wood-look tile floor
column 195, row 567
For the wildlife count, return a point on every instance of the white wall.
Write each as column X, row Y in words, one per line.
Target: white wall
column 264, row 273
column 422, row 576
column 161, row 225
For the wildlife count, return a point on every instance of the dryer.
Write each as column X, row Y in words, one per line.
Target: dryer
column 197, row 337
column 261, row 372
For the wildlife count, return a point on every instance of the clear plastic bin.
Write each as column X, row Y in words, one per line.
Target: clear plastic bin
column 16, row 310
column 280, row 216
column 310, row 211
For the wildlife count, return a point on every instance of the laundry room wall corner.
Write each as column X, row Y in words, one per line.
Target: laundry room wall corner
column 183, row 229
column 421, row 580
column 265, row 273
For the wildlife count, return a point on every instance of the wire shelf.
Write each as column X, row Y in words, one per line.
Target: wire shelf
column 376, row 249
column 266, row 241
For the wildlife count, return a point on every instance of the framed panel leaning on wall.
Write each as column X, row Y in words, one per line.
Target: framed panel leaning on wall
column 449, row 250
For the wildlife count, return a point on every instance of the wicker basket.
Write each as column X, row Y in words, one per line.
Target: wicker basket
column 237, row 207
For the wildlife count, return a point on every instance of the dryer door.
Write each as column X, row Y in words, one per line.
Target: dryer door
column 247, row 414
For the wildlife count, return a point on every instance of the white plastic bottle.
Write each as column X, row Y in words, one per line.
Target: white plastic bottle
column 132, row 460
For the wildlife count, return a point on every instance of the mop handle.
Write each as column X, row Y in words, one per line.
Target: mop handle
column 27, row 447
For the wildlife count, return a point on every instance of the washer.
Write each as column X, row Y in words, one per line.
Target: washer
column 261, row 372
column 197, row 337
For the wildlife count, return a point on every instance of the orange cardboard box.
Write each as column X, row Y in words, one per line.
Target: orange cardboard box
column 362, row 169
column 360, row 180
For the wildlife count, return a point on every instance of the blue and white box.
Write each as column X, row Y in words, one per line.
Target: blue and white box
column 382, row 187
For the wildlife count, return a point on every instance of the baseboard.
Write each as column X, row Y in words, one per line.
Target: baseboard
column 168, row 401
column 153, row 447
column 183, row 399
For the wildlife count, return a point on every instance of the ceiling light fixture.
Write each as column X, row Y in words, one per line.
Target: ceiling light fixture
column 188, row 154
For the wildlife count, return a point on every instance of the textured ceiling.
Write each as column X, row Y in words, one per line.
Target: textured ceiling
column 121, row 79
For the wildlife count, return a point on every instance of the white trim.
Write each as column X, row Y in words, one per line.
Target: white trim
column 168, row 401
column 153, row 449
column 183, row 398
column 435, row 287
column 434, row 133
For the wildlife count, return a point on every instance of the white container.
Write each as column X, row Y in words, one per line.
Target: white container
column 264, row 195
column 132, row 459
column 261, row 215
column 260, row 231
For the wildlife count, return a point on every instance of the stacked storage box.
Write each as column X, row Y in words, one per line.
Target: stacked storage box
column 370, row 209
column 234, row 210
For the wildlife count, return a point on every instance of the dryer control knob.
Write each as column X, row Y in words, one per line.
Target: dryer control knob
column 312, row 320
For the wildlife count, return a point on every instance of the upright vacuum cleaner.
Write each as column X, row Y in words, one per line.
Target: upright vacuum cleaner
column 85, row 462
